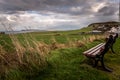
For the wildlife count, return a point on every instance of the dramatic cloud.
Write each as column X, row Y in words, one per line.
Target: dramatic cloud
column 57, row 14
column 23, row 20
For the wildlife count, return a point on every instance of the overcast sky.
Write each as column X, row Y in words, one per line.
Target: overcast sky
column 56, row 14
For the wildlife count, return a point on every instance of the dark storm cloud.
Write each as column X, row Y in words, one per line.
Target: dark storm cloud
column 39, row 3
column 58, row 6
column 62, row 6
column 109, row 9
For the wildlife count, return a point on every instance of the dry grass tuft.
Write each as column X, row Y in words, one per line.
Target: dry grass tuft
column 79, row 43
column 2, row 51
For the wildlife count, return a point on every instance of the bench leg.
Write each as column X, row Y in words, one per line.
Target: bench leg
column 112, row 49
column 102, row 62
column 103, row 65
column 96, row 63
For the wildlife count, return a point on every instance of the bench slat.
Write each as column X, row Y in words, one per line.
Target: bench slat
column 90, row 55
column 98, row 52
column 94, row 51
column 93, row 48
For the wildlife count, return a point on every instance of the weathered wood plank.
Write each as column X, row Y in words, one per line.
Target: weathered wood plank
column 92, row 48
column 95, row 50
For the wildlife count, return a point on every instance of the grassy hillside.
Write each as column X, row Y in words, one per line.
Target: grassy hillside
column 70, row 64
column 55, row 55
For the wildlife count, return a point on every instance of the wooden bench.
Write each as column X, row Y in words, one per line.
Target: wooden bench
column 95, row 53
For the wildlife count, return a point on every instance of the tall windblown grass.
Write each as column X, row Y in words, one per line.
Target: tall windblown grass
column 30, row 58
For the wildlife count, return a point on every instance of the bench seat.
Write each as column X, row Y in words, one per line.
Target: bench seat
column 95, row 50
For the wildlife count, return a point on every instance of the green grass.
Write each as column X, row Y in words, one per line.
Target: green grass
column 62, row 64
column 85, row 29
column 70, row 64
column 6, row 43
column 46, row 37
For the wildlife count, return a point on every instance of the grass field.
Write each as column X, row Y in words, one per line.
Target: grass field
column 70, row 64
column 54, row 55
